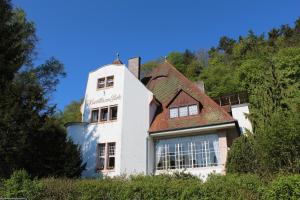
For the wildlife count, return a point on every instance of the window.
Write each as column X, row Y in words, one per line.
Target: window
column 111, row 155
column 105, row 82
column 101, row 83
column 193, row 110
column 183, row 111
column 187, row 152
column 109, row 81
column 95, row 115
column 101, row 156
column 106, row 159
column 103, row 114
column 173, row 112
column 113, row 112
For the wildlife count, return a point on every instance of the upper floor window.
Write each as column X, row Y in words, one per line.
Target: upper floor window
column 95, row 115
column 184, row 111
column 104, row 114
column 113, row 112
column 173, row 112
column 105, row 82
column 109, row 81
column 101, row 83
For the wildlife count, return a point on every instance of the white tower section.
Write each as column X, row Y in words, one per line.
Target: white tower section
column 129, row 131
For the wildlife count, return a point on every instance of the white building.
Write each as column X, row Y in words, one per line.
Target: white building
column 160, row 124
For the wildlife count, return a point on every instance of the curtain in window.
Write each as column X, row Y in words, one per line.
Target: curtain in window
column 187, row 152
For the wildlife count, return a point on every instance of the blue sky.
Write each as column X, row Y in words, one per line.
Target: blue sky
column 87, row 34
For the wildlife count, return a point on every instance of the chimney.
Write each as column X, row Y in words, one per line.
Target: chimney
column 134, row 66
column 200, row 85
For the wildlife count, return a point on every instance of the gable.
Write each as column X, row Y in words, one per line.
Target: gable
column 182, row 99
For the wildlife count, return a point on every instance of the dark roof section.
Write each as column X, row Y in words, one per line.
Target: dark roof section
column 165, row 81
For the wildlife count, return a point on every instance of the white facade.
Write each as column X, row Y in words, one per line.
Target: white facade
column 128, row 131
column 239, row 112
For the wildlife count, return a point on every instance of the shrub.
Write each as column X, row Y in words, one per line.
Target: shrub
column 233, row 186
column 242, row 157
column 284, row 187
column 20, row 185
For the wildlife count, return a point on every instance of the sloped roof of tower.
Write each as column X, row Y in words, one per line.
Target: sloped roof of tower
column 117, row 62
column 165, row 81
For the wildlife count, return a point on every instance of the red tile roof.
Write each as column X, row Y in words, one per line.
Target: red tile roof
column 165, row 82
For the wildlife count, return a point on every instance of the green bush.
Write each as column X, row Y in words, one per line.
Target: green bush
column 242, row 157
column 20, row 185
column 233, row 186
column 284, row 187
column 161, row 187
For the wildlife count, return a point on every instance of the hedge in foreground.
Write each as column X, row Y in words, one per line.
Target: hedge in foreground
column 231, row 186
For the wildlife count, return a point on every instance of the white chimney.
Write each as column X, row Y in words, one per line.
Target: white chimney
column 134, row 65
column 200, row 85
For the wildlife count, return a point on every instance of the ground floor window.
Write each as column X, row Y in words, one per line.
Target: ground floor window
column 187, row 152
column 106, row 156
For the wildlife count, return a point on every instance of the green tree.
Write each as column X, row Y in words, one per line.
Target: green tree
column 30, row 138
column 71, row 113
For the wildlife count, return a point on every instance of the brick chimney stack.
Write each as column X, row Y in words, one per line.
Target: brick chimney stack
column 134, row 66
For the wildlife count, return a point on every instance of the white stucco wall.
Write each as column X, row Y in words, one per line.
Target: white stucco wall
column 238, row 113
column 129, row 131
column 135, row 125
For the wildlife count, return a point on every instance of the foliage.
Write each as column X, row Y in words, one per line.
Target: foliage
column 233, row 186
column 71, row 113
column 178, row 186
column 30, row 137
column 242, row 157
column 17, row 41
column 284, row 188
column 20, row 185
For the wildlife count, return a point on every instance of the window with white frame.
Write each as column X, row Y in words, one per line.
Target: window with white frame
column 193, row 109
column 184, row 111
column 106, row 156
column 101, row 149
column 111, row 155
column 187, row 152
column 173, row 112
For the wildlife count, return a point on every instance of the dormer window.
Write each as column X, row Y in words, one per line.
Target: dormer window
column 173, row 112
column 110, row 81
column 101, row 83
column 184, row 111
column 193, row 110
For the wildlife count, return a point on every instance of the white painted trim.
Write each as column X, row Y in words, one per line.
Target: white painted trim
column 192, row 130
